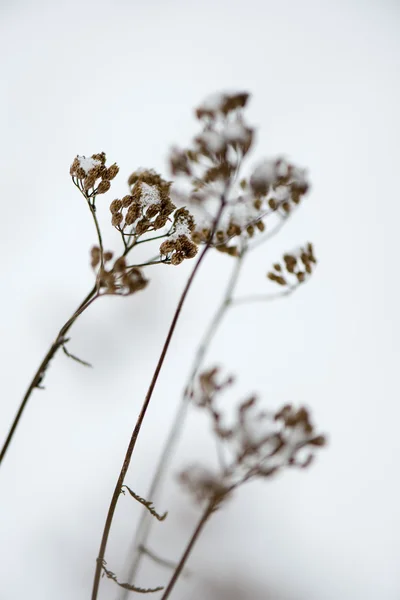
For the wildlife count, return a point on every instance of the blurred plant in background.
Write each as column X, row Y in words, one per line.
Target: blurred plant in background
column 213, row 204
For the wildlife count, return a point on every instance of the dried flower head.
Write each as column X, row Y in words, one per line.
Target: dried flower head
column 259, row 443
column 91, row 175
column 203, row 484
column 148, row 206
column 119, row 279
column 212, row 170
column 179, row 244
column 296, row 267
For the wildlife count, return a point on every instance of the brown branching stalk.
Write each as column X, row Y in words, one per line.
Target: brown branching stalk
column 195, row 536
column 142, row 414
column 145, row 524
column 216, row 211
column 260, row 445
column 38, row 378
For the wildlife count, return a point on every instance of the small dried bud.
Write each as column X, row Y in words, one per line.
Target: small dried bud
column 250, row 230
column 260, row 226
column 277, row 278
column 120, row 264
column 142, row 226
column 89, row 181
column 320, row 440
column 152, row 211
column 272, row 204
column 100, row 157
column 95, row 256
column 300, row 276
column 177, row 258
column 167, row 247
column 115, row 206
column 160, row 221
column 103, row 187
column 111, row 172
column 117, row 219
column 127, row 201
column 108, row 255
column 132, row 214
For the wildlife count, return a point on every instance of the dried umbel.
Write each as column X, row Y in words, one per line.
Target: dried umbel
column 148, row 206
column 119, row 278
column 258, row 443
column 295, row 267
column 179, row 244
column 91, row 174
column 212, row 169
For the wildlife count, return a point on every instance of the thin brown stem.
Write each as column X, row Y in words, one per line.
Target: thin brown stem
column 203, row 520
column 40, row 373
column 142, row 414
column 145, row 524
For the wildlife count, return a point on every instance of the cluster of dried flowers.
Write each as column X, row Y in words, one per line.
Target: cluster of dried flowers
column 212, row 167
column 91, row 175
column 258, row 443
column 217, row 206
column 297, row 267
column 118, row 278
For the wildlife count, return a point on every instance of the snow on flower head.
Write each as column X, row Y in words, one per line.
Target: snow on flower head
column 88, row 163
column 222, row 103
column 150, row 195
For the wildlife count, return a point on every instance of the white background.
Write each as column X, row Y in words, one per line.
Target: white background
column 123, row 77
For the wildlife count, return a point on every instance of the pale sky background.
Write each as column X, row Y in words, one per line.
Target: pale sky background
column 123, row 77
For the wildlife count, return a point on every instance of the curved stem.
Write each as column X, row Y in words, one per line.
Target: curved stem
column 203, row 520
column 142, row 414
column 262, row 297
column 96, row 223
column 146, row 522
column 40, row 373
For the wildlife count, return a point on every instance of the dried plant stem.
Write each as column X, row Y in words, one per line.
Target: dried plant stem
column 39, row 375
column 203, row 520
column 263, row 297
column 142, row 414
column 146, row 522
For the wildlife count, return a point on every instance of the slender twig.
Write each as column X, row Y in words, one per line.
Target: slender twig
column 143, row 530
column 132, row 588
column 76, row 358
column 142, row 414
column 163, row 562
column 263, row 297
column 162, row 261
column 147, row 503
column 40, row 373
column 203, row 520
